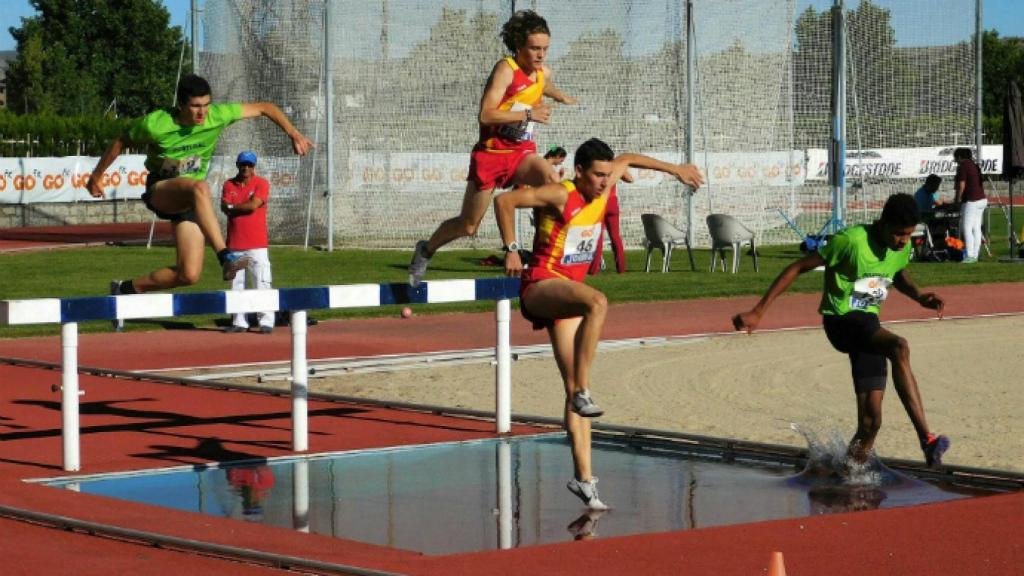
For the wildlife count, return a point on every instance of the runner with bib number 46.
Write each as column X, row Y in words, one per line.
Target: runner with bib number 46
column 569, row 216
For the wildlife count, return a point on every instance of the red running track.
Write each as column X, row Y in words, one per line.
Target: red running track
column 56, row 237
column 132, row 425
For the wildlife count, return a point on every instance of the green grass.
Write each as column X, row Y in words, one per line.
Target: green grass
column 87, row 271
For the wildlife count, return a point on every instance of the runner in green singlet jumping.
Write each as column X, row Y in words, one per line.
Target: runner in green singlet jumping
column 179, row 143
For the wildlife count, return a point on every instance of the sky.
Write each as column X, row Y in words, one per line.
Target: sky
column 1003, row 16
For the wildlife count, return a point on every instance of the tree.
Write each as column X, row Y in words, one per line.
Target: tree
column 98, row 53
column 1002, row 62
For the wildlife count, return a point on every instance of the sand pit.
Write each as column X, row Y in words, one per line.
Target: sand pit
column 755, row 387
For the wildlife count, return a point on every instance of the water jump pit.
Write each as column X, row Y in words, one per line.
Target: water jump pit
column 503, row 493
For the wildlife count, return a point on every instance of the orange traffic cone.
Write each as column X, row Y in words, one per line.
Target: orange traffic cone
column 776, row 567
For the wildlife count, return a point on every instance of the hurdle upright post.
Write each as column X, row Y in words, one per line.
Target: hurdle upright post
column 503, row 371
column 69, row 396
column 300, row 386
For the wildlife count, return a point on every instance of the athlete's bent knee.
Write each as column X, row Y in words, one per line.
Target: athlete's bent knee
column 900, row 351
column 598, row 303
column 200, row 189
column 869, row 426
column 468, row 227
column 187, row 277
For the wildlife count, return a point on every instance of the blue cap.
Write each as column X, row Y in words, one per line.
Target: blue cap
column 246, row 157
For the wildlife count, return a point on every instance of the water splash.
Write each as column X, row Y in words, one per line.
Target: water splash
column 828, row 462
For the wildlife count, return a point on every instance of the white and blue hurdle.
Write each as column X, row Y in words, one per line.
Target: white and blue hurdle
column 68, row 312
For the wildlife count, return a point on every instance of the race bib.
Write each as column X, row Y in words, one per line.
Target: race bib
column 870, row 291
column 174, row 167
column 580, row 244
column 518, row 131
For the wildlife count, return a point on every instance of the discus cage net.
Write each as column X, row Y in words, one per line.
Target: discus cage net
column 403, row 82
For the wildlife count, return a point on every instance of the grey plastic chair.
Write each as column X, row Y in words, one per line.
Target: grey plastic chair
column 728, row 232
column 663, row 236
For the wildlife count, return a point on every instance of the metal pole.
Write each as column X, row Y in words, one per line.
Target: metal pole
column 837, row 150
column 69, row 396
column 978, row 103
column 1011, row 237
column 691, row 105
column 300, row 387
column 195, row 36
column 329, row 102
column 503, row 370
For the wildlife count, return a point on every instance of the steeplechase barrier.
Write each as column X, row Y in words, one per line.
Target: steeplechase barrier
column 68, row 312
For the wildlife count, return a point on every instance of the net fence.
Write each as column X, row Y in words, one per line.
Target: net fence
column 408, row 76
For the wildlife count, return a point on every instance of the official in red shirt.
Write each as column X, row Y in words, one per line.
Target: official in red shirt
column 244, row 202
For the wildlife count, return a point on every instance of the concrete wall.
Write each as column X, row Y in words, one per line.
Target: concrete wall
column 58, row 214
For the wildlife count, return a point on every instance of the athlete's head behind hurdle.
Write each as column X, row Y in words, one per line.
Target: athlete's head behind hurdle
column 523, row 23
column 900, row 216
column 191, row 86
column 591, row 151
column 591, row 162
column 901, row 210
column 193, row 100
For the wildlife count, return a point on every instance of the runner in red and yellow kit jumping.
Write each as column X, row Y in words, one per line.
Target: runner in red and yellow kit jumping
column 506, row 154
column 569, row 217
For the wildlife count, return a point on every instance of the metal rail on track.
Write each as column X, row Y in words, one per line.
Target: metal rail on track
column 726, row 448
column 392, row 362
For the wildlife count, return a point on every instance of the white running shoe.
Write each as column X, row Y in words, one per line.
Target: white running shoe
column 418, row 266
column 587, row 491
column 583, row 405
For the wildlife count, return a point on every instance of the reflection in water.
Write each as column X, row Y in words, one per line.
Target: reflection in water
column 252, row 484
column 507, row 493
column 832, row 499
column 585, row 527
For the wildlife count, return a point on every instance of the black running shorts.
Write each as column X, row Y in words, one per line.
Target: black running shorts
column 851, row 334
column 151, row 180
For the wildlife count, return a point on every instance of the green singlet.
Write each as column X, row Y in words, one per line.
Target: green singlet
column 855, row 277
column 173, row 150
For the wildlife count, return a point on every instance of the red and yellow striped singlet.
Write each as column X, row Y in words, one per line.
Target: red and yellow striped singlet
column 565, row 244
column 521, row 94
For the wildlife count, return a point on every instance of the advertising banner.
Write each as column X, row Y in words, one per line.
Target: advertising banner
column 33, row 180
column 900, row 162
column 428, row 172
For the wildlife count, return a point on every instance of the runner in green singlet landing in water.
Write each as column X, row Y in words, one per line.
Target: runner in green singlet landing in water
column 861, row 263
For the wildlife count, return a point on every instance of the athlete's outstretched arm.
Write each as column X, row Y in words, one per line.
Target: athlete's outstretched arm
column 749, row 320
column 686, row 173
column 300, row 144
column 553, row 196
column 552, row 91
column 905, row 285
column 94, row 185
